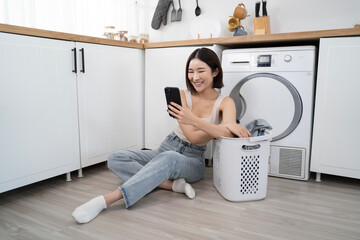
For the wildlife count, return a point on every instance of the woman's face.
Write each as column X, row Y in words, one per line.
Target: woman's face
column 200, row 75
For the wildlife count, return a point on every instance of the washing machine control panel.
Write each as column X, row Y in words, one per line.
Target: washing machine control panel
column 264, row 61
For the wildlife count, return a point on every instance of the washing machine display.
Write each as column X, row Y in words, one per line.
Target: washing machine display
column 275, row 84
column 264, row 61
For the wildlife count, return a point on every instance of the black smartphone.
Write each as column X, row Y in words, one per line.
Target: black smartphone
column 172, row 94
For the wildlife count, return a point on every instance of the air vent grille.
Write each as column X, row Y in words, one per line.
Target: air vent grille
column 290, row 161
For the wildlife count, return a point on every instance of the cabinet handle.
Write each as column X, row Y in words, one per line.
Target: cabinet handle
column 83, row 60
column 75, row 64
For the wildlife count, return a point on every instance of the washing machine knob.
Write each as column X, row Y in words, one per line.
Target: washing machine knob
column 287, row 58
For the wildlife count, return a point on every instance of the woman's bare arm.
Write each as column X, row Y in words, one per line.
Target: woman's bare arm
column 199, row 131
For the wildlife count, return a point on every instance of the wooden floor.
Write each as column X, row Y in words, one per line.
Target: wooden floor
column 291, row 210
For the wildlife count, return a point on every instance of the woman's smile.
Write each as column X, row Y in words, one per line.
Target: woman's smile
column 198, row 83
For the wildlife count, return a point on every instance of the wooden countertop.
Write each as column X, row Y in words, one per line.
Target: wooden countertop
column 66, row 36
column 312, row 37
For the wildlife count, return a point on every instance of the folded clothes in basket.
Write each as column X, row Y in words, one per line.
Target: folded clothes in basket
column 258, row 127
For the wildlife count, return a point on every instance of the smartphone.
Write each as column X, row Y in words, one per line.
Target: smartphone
column 172, row 94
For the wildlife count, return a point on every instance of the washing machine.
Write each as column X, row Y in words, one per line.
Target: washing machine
column 277, row 85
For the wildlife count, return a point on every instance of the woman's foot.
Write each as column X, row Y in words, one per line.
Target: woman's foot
column 89, row 210
column 181, row 186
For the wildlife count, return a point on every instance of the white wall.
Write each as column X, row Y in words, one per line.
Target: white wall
column 285, row 15
column 89, row 17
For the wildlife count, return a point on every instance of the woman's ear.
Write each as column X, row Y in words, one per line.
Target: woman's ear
column 216, row 72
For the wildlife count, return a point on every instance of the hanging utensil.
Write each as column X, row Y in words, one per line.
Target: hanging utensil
column 173, row 12
column 179, row 13
column 197, row 9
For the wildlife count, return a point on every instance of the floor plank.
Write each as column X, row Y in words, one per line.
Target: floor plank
column 291, row 210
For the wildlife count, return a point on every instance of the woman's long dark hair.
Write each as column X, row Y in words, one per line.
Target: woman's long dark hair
column 211, row 59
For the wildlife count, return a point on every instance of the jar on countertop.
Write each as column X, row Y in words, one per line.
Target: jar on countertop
column 133, row 39
column 144, row 38
column 121, row 36
column 109, row 32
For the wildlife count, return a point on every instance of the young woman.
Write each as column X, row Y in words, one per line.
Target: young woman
column 180, row 158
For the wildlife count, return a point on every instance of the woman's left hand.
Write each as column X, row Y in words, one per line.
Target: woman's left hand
column 182, row 114
column 238, row 130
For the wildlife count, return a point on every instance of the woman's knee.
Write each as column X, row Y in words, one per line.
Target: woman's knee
column 169, row 157
column 115, row 158
column 169, row 161
column 179, row 166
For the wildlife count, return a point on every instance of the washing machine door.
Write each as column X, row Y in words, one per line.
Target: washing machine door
column 271, row 97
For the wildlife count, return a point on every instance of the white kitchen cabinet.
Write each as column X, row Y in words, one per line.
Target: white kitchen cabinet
column 39, row 135
column 110, row 100
column 164, row 67
column 337, row 114
column 54, row 116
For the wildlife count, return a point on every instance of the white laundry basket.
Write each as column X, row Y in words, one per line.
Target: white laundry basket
column 240, row 167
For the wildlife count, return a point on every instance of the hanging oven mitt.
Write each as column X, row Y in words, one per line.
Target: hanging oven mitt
column 160, row 13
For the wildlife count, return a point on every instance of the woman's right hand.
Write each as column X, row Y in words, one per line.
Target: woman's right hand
column 182, row 114
column 237, row 130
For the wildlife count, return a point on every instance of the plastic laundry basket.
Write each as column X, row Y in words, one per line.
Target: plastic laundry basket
column 240, row 167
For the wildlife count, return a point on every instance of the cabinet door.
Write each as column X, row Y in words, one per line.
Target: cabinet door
column 39, row 135
column 337, row 114
column 110, row 101
column 164, row 67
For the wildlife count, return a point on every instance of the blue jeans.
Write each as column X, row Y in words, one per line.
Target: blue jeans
column 143, row 170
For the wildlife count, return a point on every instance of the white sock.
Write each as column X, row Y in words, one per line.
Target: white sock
column 89, row 210
column 181, row 186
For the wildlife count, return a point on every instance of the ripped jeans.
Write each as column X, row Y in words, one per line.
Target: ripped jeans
column 143, row 170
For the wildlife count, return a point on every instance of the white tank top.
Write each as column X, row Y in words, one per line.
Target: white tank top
column 213, row 118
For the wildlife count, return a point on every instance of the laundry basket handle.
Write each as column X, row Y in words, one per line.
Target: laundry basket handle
column 250, row 147
column 265, row 137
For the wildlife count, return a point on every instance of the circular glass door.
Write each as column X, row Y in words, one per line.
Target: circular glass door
column 270, row 97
